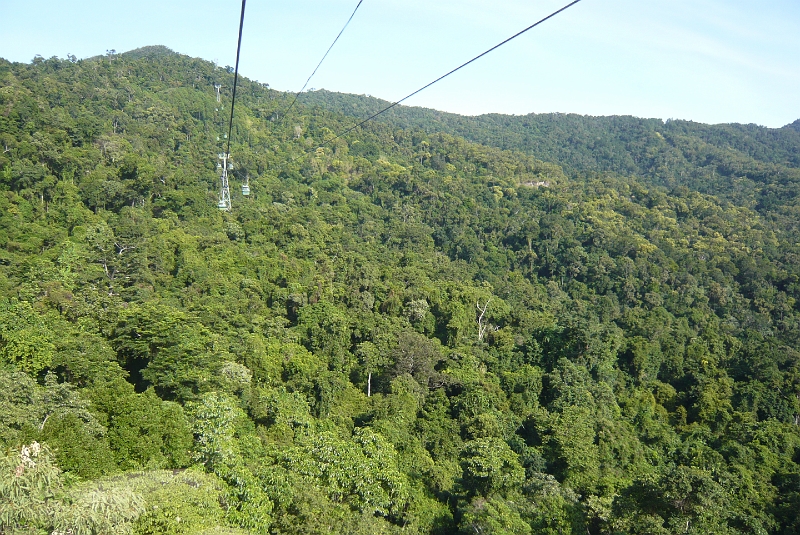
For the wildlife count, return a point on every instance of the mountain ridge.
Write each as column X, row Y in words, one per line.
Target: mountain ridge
column 666, row 153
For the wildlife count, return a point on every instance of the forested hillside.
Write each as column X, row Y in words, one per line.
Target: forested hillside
column 404, row 331
column 749, row 164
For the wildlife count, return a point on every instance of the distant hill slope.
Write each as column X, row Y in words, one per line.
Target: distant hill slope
column 149, row 52
column 795, row 125
column 732, row 160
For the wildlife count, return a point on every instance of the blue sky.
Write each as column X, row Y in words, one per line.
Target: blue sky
column 711, row 61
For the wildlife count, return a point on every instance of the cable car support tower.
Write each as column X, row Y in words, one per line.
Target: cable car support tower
column 224, row 162
column 225, row 190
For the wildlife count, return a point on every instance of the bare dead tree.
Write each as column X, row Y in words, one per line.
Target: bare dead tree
column 482, row 325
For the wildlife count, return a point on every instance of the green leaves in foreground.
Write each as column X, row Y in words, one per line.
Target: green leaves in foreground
column 33, row 497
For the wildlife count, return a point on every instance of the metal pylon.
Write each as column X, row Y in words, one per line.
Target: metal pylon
column 225, row 191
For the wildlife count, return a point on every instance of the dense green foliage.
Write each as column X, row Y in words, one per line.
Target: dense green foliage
column 402, row 332
column 751, row 165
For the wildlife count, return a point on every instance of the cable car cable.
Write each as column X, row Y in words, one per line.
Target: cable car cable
column 495, row 47
column 323, row 58
column 387, row 108
column 235, row 78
